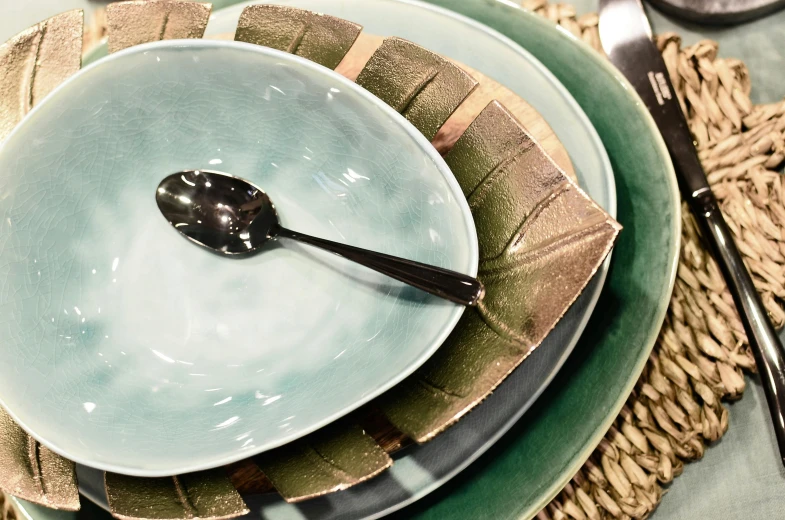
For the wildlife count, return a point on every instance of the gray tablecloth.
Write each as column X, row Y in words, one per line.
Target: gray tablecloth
column 740, row 477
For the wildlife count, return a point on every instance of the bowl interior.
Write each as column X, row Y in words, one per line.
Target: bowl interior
column 135, row 351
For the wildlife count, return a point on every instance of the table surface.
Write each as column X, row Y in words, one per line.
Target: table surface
column 740, row 476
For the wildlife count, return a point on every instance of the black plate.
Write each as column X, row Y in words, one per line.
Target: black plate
column 718, row 12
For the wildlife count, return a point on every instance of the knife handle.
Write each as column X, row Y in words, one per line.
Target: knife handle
column 766, row 345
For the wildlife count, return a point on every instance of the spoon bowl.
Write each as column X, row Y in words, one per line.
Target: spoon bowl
column 218, row 211
column 231, row 216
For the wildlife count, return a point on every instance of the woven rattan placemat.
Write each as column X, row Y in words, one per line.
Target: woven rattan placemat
column 702, row 353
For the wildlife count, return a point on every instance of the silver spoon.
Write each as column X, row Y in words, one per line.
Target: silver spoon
column 231, row 216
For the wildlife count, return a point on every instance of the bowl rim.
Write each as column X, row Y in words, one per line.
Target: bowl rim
column 427, row 352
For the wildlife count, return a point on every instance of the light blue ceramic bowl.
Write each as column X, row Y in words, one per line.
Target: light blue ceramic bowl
column 131, row 350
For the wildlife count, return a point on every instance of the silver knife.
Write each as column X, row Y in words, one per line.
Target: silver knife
column 626, row 37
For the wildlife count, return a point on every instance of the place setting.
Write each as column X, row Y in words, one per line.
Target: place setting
column 320, row 258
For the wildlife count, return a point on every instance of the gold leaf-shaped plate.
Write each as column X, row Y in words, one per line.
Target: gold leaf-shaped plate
column 34, row 473
column 496, row 162
column 332, row 459
column 319, row 38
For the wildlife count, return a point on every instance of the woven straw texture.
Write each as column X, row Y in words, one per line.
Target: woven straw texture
column 702, row 353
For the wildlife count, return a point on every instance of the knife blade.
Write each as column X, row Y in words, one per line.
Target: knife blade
column 626, row 37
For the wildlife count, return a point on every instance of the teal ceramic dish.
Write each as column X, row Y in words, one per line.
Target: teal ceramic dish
column 135, row 351
column 421, row 469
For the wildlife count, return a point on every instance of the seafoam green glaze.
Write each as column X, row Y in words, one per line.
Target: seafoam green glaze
column 519, row 475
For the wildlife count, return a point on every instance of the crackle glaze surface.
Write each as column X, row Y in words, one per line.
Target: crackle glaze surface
column 135, row 351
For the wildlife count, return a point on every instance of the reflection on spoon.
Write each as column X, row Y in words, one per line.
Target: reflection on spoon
column 231, row 216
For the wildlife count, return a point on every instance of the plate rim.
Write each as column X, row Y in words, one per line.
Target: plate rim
column 426, row 353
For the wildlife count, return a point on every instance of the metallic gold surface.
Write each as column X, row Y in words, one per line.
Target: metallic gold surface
column 142, row 21
column 487, row 91
column 424, row 87
column 332, row 459
column 35, row 61
column 541, row 240
column 360, row 53
column 317, row 37
column 205, row 495
column 31, row 472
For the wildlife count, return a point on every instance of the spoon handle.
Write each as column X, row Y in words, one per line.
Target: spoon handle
column 450, row 285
